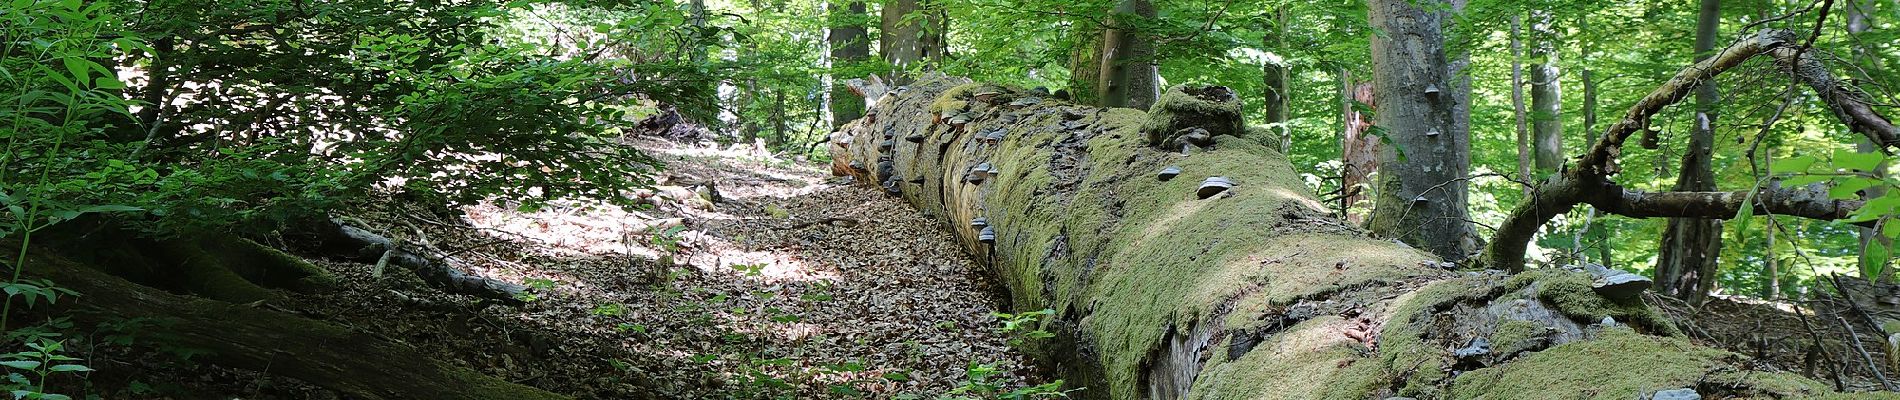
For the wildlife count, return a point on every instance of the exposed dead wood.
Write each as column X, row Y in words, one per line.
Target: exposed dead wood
column 340, row 239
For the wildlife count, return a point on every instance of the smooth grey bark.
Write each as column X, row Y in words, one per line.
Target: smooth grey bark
column 850, row 44
column 1277, row 92
column 1858, row 22
column 900, row 40
column 1598, row 232
column 1517, row 99
column 1546, row 103
column 1685, row 263
column 1128, row 75
column 1421, row 197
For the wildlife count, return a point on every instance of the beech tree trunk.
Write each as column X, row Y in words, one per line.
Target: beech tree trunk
column 246, row 336
column 900, row 40
column 1685, row 263
column 1128, row 77
column 1519, row 111
column 1857, row 23
column 1277, row 92
column 1421, row 197
column 1546, row 102
column 850, row 45
column 1165, row 289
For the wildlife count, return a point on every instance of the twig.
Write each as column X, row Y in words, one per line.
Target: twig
column 1851, row 305
column 1839, row 385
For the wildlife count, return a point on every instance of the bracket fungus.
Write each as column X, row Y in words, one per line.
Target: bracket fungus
column 987, row 235
column 1168, row 174
column 980, row 222
column 1213, row 186
column 1616, row 284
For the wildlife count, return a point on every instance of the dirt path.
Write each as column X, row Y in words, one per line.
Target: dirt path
column 787, row 287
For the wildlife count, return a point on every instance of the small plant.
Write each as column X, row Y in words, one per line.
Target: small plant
column 538, row 285
column 42, row 360
column 980, row 383
column 751, row 269
column 1021, row 327
column 610, row 310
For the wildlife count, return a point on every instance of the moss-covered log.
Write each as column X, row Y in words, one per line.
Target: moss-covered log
column 1161, row 292
column 244, row 336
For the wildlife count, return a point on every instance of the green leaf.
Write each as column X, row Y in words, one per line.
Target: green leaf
column 1850, row 188
column 1803, row 180
column 1873, row 260
column 1796, row 164
column 69, row 368
column 1854, row 160
column 21, row 364
column 106, row 208
column 79, row 67
column 1744, row 214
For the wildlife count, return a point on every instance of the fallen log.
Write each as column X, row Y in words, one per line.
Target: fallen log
column 353, row 243
column 1168, row 283
column 353, row 363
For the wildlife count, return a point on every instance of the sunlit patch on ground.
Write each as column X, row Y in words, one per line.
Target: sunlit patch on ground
column 784, row 286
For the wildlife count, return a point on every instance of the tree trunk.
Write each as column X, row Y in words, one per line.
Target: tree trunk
column 244, row 336
column 1685, row 264
column 1546, row 104
column 1857, row 23
column 850, row 46
column 1128, row 77
column 899, row 39
column 1421, row 196
column 1517, row 99
column 1276, row 71
column 1167, row 289
column 1085, row 66
column 1599, row 233
column 1359, row 148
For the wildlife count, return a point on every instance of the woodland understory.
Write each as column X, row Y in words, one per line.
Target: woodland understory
column 938, row 199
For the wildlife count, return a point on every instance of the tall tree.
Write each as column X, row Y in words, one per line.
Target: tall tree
column 1277, row 92
column 1422, row 193
column 1128, row 75
column 1858, row 22
column 1685, row 263
column 910, row 33
column 1518, row 109
column 1546, row 105
column 850, row 44
column 1085, row 66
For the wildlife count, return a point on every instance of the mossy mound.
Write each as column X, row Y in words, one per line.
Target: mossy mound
column 1213, row 108
column 1622, row 364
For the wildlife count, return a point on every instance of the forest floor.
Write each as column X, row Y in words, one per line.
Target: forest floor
column 789, row 285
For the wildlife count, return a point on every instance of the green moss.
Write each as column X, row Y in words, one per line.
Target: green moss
column 1512, row 336
column 1621, row 364
column 1571, row 293
column 1311, row 360
column 1405, row 353
column 1177, row 109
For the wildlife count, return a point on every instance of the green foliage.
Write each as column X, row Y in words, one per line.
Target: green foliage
column 1023, row 327
column 27, row 371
